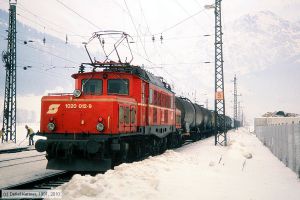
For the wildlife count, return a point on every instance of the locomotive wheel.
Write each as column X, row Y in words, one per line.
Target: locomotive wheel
column 119, row 157
column 148, row 148
column 179, row 140
column 193, row 136
column 173, row 140
column 163, row 145
column 155, row 146
column 124, row 157
column 139, row 153
column 114, row 160
column 198, row 136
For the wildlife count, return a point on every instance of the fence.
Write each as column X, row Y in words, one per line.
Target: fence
column 283, row 139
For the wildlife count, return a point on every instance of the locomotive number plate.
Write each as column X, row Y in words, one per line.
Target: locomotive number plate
column 81, row 106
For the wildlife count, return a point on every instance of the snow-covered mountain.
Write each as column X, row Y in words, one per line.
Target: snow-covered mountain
column 264, row 51
column 260, row 40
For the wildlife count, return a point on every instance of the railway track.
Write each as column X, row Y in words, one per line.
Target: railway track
column 15, row 150
column 187, row 142
column 46, row 182
column 21, row 160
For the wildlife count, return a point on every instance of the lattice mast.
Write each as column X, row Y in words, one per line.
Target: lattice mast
column 220, row 130
column 235, row 117
column 9, row 59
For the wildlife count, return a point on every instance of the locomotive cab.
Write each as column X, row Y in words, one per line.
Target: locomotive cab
column 93, row 107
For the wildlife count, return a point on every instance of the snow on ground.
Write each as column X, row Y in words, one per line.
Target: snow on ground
column 21, row 132
column 245, row 169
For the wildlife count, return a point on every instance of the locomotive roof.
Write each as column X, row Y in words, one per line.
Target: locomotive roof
column 143, row 74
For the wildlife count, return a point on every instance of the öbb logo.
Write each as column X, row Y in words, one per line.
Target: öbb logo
column 53, row 108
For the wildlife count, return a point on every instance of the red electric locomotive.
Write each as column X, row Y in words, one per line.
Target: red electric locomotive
column 117, row 114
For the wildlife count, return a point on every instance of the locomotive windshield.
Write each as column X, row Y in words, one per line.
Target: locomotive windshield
column 92, row 86
column 117, row 86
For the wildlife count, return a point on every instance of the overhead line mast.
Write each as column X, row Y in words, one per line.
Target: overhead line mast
column 220, row 131
column 9, row 59
column 235, row 103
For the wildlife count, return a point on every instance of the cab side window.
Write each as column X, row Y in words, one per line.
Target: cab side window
column 121, row 115
column 118, row 86
column 127, row 115
column 132, row 115
column 151, row 96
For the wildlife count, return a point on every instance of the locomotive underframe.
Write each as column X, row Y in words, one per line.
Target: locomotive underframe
column 88, row 152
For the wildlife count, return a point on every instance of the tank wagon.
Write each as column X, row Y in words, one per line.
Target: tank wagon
column 196, row 121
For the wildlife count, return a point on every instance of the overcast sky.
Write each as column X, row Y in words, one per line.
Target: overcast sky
column 156, row 14
column 183, row 41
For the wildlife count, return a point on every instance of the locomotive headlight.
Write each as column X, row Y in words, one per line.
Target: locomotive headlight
column 100, row 127
column 77, row 93
column 51, row 126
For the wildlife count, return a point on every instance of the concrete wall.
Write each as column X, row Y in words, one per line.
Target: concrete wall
column 282, row 136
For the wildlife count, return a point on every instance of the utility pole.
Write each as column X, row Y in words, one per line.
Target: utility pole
column 220, row 130
column 242, row 121
column 235, row 103
column 9, row 59
column 239, row 111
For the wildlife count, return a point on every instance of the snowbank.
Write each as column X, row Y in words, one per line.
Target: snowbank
column 243, row 170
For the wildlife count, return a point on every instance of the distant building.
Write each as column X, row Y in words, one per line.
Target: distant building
column 279, row 114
